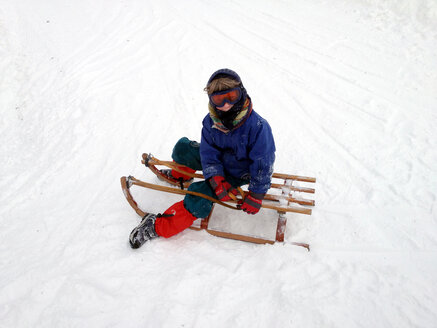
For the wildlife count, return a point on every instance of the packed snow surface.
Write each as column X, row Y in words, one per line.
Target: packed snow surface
column 350, row 90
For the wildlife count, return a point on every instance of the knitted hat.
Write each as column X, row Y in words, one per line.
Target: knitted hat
column 224, row 72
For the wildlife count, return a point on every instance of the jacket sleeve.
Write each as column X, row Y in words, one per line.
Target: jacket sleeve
column 262, row 156
column 210, row 154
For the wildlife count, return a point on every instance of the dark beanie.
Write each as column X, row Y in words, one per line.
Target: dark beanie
column 224, row 72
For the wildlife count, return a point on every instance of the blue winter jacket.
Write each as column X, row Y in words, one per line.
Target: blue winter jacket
column 248, row 151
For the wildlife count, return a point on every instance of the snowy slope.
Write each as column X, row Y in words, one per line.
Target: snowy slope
column 349, row 88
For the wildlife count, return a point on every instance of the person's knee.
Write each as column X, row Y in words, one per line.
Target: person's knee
column 181, row 146
column 186, row 152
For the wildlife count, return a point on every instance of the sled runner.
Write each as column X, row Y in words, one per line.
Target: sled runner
column 279, row 197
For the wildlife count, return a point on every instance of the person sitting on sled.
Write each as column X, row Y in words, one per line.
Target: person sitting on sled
column 237, row 148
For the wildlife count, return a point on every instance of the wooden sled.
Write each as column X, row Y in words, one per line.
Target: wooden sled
column 279, row 202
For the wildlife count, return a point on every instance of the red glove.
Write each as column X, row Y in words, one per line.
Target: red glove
column 252, row 203
column 222, row 188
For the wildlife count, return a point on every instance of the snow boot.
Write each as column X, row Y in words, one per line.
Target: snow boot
column 178, row 178
column 144, row 231
column 173, row 174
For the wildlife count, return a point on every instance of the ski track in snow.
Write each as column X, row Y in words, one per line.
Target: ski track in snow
column 349, row 88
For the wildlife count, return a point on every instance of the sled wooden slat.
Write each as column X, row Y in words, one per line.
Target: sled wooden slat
column 154, row 161
column 300, row 210
column 308, row 202
column 294, row 177
column 125, row 187
column 293, row 188
column 282, row 221
column 158, row 174
column 151, row 162
column 246, row 238
column 280, row 228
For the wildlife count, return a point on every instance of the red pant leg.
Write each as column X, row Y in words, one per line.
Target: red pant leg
column 178, row 175
column 180, row 220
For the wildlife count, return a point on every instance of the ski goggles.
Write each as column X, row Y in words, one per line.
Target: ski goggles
column 230, row 96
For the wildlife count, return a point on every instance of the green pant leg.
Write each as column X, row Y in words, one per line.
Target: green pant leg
column 201, row 207
column 198, row 206
column 186, row 152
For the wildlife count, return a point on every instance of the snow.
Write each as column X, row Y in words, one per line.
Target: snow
column 349, row 88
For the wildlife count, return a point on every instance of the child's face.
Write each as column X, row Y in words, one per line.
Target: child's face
column 225, row 107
